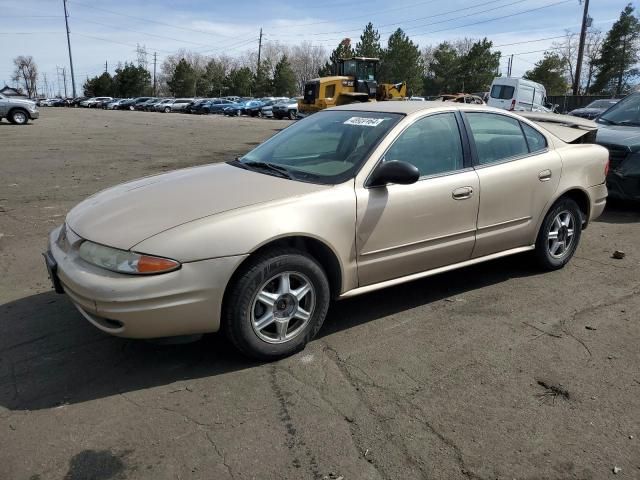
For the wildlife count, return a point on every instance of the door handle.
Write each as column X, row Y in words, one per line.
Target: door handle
column 544, row 175
column 462, row 193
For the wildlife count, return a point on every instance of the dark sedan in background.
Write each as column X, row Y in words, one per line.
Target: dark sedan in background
column 619, row 131
column 594, row 109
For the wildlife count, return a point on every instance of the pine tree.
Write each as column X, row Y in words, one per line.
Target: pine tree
column 369, row 44
column 619, row 55
column 263, row 84
column 284, row 78
column 478, row 67
column 184, row 79
column 550, row 72
column 343, row 50
column 401, row 61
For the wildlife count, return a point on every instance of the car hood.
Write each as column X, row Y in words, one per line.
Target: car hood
column 587, row 111
column 127, row 214
column 21, row 101
column 627, row 137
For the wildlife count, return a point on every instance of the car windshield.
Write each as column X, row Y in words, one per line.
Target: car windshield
column 625, row 112
column 327, row 147
column 601, row 104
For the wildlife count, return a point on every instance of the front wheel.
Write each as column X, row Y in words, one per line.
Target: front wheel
column 18, row 117
column 292, row 114
column 559, row 235
column 276, row 304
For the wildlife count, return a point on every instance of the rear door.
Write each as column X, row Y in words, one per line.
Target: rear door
column 501, row 96
column 518, row 175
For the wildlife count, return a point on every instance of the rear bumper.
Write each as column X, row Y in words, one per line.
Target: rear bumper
column 183, row 302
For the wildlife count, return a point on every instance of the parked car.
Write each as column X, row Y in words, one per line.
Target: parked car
column 619, row 132
column 285, row 109
column 44, row 102
column 77, row 100
column 162, row 105
column 594, row 109
column 213, row 251
column 92, row 102
column 115, row 104
column 216, row 106
column 232, row 98
column 179, row 104
column 133, row 105
column 102, row 102
column 235, row 109
column 253, row 108
column 518, row 94
column 142, row 106
column 17, row 110
column 194, row 105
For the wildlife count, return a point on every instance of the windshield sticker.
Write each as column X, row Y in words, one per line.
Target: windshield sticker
column 365, row 122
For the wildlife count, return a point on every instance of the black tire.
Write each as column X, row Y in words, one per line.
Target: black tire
column 241, row 303
column 567, row 208
column 292, row 115
column 167, row 109
column 18, row 116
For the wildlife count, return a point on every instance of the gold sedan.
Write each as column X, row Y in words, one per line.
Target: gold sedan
column 349, row 200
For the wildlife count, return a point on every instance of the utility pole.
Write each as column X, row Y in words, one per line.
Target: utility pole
column 106, row 67
column 583, row 36
column 46, row 85
column 510, row 65
column 155, row 60
column 259, row 50
column 66, row 22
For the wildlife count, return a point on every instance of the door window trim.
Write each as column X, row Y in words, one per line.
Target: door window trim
column 513, row 158
column 467, row 156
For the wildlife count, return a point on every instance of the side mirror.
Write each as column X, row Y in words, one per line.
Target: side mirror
column 394, row 171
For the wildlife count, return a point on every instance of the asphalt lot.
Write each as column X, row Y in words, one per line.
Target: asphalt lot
column 493, row 372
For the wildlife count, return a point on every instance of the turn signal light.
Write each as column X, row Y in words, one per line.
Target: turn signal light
column 148, row 264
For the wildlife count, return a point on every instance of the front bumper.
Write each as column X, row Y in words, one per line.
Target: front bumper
column 35, row 114
column 183, row 302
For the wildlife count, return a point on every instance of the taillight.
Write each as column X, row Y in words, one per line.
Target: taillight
column 606, row 167
column 513, row 105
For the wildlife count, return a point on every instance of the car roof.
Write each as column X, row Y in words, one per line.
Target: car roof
column 410, row 107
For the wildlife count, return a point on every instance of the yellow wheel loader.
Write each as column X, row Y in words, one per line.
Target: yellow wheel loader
column 355, row 82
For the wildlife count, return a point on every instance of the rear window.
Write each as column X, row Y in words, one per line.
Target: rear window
column 502, row 92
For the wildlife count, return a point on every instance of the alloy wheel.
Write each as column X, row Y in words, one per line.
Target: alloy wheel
column 561, row 234
column 283, row 307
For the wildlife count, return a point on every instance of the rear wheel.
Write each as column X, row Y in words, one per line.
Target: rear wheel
column 167, row 109
column 276, row 304
column 18, row 117
column 559, row 235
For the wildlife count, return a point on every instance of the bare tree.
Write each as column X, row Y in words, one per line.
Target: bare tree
column 593, row 47
column 306, row 59
column 567, row 49
column 26, row 71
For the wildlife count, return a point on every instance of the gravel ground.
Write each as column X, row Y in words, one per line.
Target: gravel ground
column 492, row 372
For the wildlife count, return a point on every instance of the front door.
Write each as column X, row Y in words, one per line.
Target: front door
column 405, row 229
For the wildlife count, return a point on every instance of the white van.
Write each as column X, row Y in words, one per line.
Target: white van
column 518, row 94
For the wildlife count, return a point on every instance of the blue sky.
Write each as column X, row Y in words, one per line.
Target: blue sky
column 36, row 27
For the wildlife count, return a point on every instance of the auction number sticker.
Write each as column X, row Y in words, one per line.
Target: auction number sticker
column 365, row 122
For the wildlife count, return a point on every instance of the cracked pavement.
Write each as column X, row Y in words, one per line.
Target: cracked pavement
column 436, row 379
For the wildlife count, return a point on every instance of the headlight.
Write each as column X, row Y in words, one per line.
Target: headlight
column 124, row 261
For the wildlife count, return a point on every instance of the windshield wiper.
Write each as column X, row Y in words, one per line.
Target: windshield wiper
column 272, row 167
column 627, row 123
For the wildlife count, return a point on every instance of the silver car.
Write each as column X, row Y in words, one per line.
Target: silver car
column 18, row 111
column 350, row 200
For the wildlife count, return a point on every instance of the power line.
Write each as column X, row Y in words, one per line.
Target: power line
column 148, row 20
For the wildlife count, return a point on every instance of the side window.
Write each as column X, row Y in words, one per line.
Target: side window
column 432, row 144
column 535, row 139
column 497, row 137
column 329, row 91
